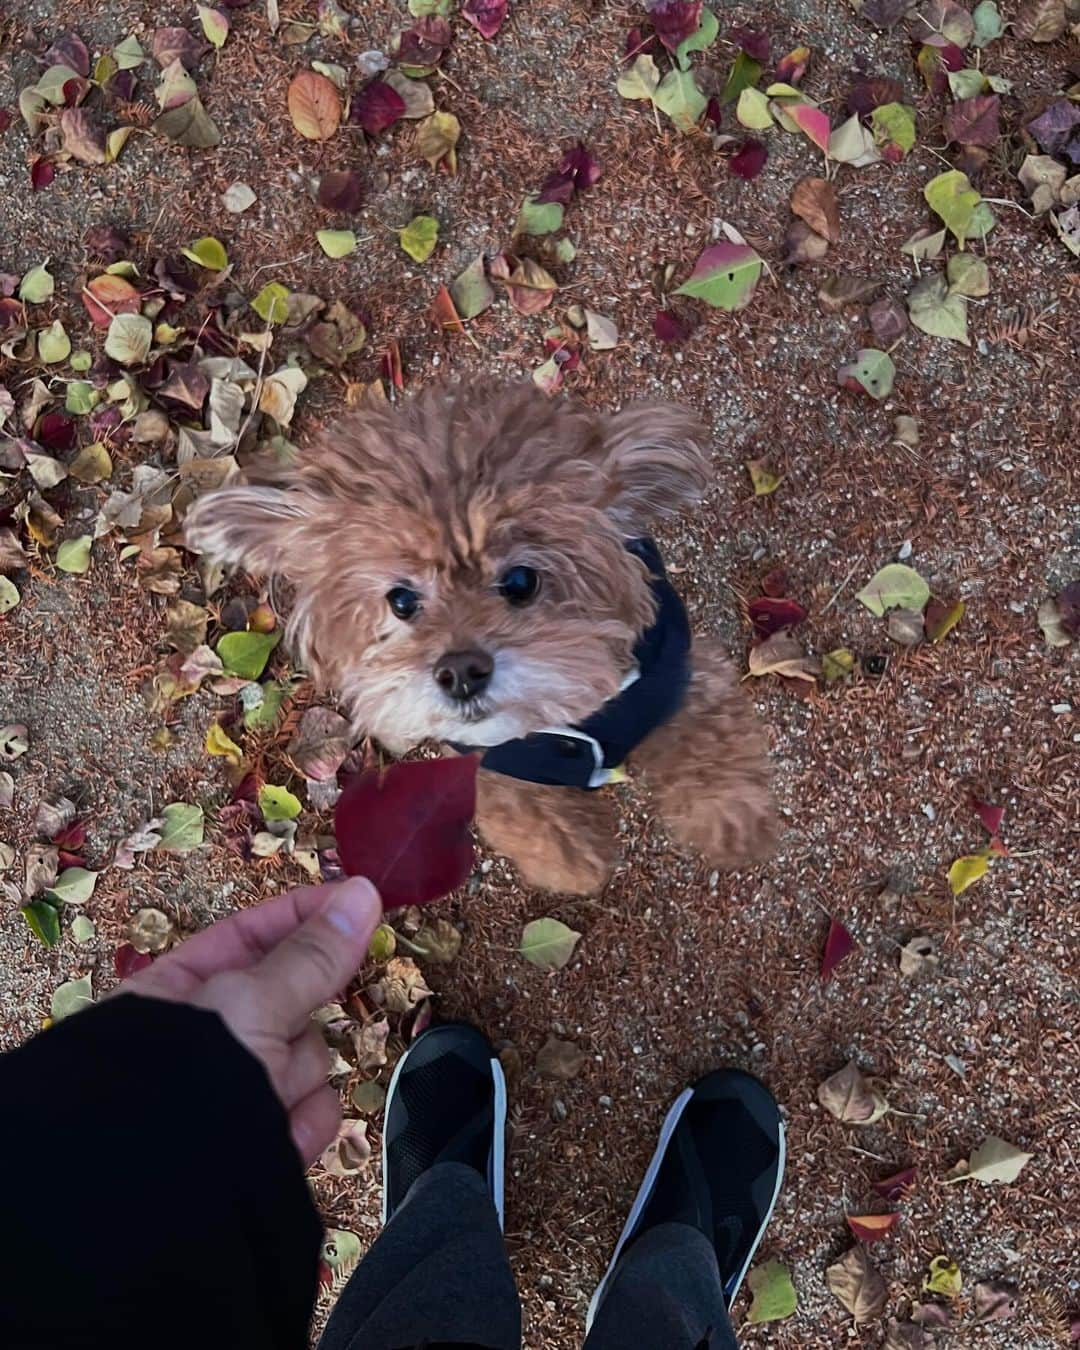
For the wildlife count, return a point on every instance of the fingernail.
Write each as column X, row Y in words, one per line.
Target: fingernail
column 350, row 905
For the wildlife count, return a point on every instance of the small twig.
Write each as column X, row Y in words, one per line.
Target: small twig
column 1004, row 201
column 288, row 262
column 256, row 393
column 152, row 229
column 840, row 588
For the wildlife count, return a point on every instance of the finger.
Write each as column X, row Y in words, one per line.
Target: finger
column 306, row 1068
column 235, row 943
column 322, row 955
column 314, row 1121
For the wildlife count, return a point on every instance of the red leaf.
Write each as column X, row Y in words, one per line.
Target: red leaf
column 71, row 837
column 390, row 366
column 753, row 43
column 872, row 92
column 325, row 1276
column 376, row 107
column 1068, row 603
column 557, row 187
column 638, row 43
column 769, row 614
column 668, row 327
column 65, row 859
column 425, row 42
column 42, row 172
column 974, row 121
column 55, row 431
column 408, row 829
column 791, row 68
column 749, row 160
column 872, row 1227
column 341, row 190
column 991, row 816
column 775, row 582
column 838, row 944
column 126, row 960
column 713, row 112
column 486, row 16
column 581, row 165
column 896, row 1186
column 675, row 20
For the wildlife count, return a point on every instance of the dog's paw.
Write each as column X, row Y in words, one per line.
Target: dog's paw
column 737, row 829
column 552, row 869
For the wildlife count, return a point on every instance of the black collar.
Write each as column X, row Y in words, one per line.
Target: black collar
column 590, row 754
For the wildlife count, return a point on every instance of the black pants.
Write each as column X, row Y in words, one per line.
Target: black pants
column 437, row 1276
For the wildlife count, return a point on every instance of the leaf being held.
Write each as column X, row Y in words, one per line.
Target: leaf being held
column 856, row 1282
column 548, row 943
column 724, row 276
column 871, row 371
column 895, row 586
column 772, row 1291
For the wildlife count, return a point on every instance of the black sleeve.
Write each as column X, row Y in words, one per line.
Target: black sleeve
column 150, row 1194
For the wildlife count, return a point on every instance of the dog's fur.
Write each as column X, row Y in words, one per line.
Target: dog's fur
column 446, row 494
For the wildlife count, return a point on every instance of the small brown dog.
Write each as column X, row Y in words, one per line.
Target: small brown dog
column 475, row 570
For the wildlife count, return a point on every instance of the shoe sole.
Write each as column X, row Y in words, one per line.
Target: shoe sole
column 671, row 1121
column 497, row 1154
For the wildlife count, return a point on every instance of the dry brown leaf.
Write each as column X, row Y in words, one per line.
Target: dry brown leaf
column 839, row 290
column 907, row 1336
column 314, row 105
column 803, row 245
column 849, row 1097
column 401, row 988
column 855, row 1281
column 350, row 1152
column 560, row 1059
column 369, row 1042
column 918, row 957
column 782, row 654
column 150, row 930
column 1040, row 21
column 995, row 1300
column 814, row 200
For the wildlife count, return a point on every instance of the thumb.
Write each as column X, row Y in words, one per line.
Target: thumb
column 320, row 957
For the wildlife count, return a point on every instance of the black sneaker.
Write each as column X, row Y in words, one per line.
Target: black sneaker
column 718, row 1167
column 446, row 1103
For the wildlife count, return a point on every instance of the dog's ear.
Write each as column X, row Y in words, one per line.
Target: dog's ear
column 256, row 527
column 655, row 464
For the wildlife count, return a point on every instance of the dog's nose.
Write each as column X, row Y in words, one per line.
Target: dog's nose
column 463, row 675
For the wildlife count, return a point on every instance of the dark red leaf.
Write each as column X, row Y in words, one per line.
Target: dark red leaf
column 376, row 107
column 66, row 859
column 769, row 614
column 749, row 160
column 408, row 829
column 172, row 44
column 341, row 190
column 775, row 582
column 176, row 277
column 974, row 121
column 5, row 119
column 873, row 92
column 69, row 50
column 325, row 1276
column 486, row 16
column 42, row 172
column 753, row 43
column 675, row 20
column 126, row 960
column 1068, row 603
column 12, row 313
column 107, row 242
column 713, row 112
column 991, row 816
column 896, row 1186
column 55, row 431
column 557, row 187
column 668, row 327
column 582, row 166
column 838, row 944
column 791, row 68
column 871, row 1227
column 638, row 43
column 121, row 86
column 71, row 837
column 424, row 43
column 952, row 56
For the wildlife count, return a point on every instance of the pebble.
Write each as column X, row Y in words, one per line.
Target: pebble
column 1060, row 707
column 904, row 551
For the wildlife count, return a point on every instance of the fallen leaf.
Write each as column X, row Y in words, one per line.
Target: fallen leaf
column 813, row 123
column 791, row 68
column 724, row 276
column 872, row 92
column 9, row 595
column 838, row 944
column 782, row 654
column 936, row 1315
column 987, row 23
column 918, row 957
column 219, row 742
column 46, row 471
column 73, row 555
column 748, row 160
column 857, row 1284
column 994, row 1160
column 888, row 320
column 669, row 327
column 852, row 143
column 752, row 110
column 850, row 1098
column 1050, row 621
column 940, row 619
column 237, row 197
column 675, row 20
column 340, row 190
column 966, row 871
column 181, row 827
column 419, row 237
column 215, row 24
column 369, row 1042
column 14, row 741
column 944, row 1278
column 548, row 943
column 1041, row 21
column 188, row 124
column 369, row 1097
column 438, row 940
column 486, row 16
column 129, row 339
column 401, row 988
column 43, row 920
column 315, row 106
column 424, row 44
column 1055, row 128
column 907, row 1336
column 990, row 815
column 336, row 243
column 974, row 121
column 208, row 252
column 246, row 653
column 871, row 371
column 894, row 586
column 995, row 1300
column 895, row 1187
column 837, row 664
column 744, row 74
column 905, row 626
column 529, row 287
column 839, row 290
column 769, row 614
column 951, row 196
column 376, row 107
column 602, row 333
column 150, row 930
column 773, row 1294
column 92, row 464
column 37, row 285
column 641, row 80
column 471, row 291
column 321, row 742
column 436, row 140
column 894, row 130
column 814, row 200
column 938, row 311
column 83, row 929
column 71, row 997
column 871, row 1228
column 885, row 13
column 679, row 97
column 350, row 1151
column 762, row 478
column 560, row 1059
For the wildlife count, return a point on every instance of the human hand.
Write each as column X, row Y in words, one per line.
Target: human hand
column 264, row 971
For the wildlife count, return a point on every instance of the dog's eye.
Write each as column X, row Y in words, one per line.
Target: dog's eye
column 519, row 585
column 404, row 602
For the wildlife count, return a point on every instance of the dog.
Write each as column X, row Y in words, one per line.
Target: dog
column 476, row 569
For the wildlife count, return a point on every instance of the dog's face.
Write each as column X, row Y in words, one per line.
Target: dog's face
column 458, row 566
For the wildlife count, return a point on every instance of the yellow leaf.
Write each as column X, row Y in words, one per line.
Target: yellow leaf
column 219, row 742
column 437, row 138
column 967, row 870
column 944, row 1278
column 762, row 477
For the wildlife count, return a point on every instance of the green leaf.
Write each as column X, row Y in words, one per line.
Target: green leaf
column 9, row 595
column 208, row 252
column 896, row 586
column 81, row 360
column 73, row 555
column 547, row 943
column 246, row 654
column 71, row 997
column 679, row 97
column 987, row 21
column 536, row 218
column 272, row 303
column 51, row 84
column 966, row 83
column 214, row 24
column 37, row 285
column 79, row 397
column 774, row 1294
column 44, row 921
column 724, row 276
column 937, row 312
column 752, row 110
column 54, row 345
column 419, row 237
column 83, row 929
column 336, row 243
column 264, row 714
column 181, row 827
column 383, row 943
column 640, row 80
column 838, row 664
column 128, row 339
column 968, row 275
column 944, row 1278
column 952, row 197
column 966, row 871
column 74, row 886
column 471, row 292
column 873, row 371
column 128, row 54
column 278, row 803
column 924, row 246
column 894, row 124
column 699, row 41
column 420, row 9
column 744, row 72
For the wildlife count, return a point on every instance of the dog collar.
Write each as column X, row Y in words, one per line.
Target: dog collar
column 590, row 753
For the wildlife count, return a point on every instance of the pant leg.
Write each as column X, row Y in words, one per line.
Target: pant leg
column 665, row 1294
column 437, row 1274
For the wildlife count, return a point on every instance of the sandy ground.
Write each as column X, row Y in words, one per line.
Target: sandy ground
column 678, row 970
